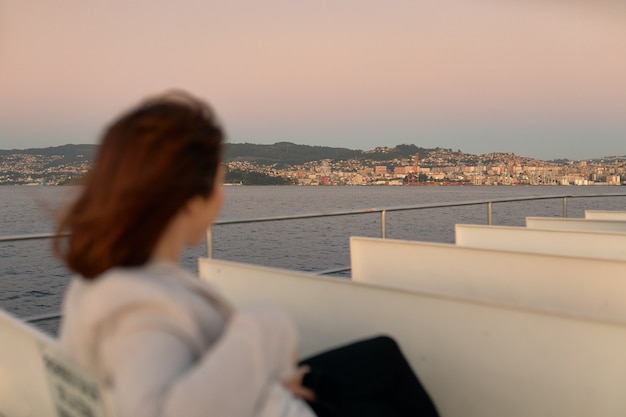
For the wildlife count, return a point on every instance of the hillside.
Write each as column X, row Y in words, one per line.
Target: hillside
column 69, row 153
column 282, row 153
column 285, row 153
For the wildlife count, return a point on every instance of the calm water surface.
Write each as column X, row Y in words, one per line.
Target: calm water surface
column 32, row 281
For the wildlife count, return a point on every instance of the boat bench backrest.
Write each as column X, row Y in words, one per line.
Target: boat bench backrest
column 474, row 358
column 559, row 223
column 581, row 287
column 605, row 215
column 556, row 242
column 37, row 380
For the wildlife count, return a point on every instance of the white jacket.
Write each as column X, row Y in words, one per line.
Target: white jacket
column 170, row 345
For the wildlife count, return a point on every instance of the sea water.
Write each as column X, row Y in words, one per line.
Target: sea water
column 32, row 281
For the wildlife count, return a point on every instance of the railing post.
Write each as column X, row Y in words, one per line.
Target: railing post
column 209, row 242
column 490, row 213
column 565, row 207
column 383, row 219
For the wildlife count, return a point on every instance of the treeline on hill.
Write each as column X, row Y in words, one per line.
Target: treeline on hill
column 285, row 153
column 235, row 176
column 282, row 153
column 70, row 153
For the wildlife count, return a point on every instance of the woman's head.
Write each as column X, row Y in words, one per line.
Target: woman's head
column 151, row 162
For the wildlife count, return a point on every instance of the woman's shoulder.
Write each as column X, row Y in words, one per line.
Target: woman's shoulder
column 150, row 279
column 120, row 285
column 154, row 295
column 164, row 290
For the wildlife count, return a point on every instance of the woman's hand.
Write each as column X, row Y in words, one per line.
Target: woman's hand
column 294, row 384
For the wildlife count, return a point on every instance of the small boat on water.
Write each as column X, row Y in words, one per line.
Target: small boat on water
column 491, row 328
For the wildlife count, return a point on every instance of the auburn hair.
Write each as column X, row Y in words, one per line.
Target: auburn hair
column 151, row 161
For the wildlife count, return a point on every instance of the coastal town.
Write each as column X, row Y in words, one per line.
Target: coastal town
column 27, row 169
column 438, row 167
column 445, row 167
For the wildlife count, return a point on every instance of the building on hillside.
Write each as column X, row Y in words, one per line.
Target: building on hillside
column 400, row 170
column 380, row 170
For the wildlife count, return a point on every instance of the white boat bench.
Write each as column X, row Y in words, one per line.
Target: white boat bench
column 606, row 245
column 476, row 359
column 37, row 380
column 578, row 224
column 575, row 286
column 605, row 215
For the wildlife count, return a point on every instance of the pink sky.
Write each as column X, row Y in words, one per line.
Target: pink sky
column 539, row 78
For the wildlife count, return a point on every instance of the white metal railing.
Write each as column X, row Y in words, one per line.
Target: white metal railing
column 383, row 211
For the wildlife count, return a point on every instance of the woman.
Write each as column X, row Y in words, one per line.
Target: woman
column 167, row 343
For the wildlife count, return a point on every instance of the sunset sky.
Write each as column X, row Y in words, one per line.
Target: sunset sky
column 540, row 78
